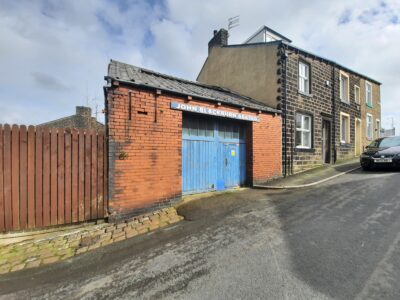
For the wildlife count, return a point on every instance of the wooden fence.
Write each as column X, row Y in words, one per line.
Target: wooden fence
column 51, row 176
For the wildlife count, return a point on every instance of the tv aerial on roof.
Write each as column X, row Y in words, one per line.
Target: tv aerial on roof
column 233, row 22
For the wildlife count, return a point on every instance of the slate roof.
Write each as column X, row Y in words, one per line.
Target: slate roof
column 146, row 78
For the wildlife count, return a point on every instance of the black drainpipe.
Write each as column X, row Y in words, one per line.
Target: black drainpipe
column 106, row 90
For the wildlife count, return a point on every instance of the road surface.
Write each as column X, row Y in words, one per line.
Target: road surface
column 339, row 240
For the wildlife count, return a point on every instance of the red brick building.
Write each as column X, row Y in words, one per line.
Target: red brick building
column 169, row 137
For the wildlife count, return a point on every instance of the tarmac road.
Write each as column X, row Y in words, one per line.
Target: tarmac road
column 338, row 240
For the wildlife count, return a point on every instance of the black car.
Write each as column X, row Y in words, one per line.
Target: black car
column 383, row 152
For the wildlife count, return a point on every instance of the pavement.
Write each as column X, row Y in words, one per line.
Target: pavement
column 337, row 240
column 313, row 176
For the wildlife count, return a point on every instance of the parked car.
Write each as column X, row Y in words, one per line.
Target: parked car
column 383, row 152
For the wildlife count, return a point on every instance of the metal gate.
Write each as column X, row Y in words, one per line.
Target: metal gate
column 213, row 154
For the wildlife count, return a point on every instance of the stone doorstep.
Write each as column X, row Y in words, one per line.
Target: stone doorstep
column 33, row 253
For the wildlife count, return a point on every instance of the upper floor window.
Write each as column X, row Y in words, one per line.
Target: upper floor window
column 304, row 78
column 357, row 94
column 303, row 131
column 344, row 87
column 368, row 93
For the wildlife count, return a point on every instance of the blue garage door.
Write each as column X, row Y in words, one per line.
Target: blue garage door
column 213, row 154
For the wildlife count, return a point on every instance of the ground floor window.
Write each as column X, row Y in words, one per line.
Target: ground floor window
column 303, row 131
column 344, row 128
column 369, row 127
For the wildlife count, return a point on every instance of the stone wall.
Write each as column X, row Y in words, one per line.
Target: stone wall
column 375, row 111
column 37, row 252
column 318, row 104
column 346, row 150
column 324, row 103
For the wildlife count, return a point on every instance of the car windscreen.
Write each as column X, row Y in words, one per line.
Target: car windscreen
column 387, row 142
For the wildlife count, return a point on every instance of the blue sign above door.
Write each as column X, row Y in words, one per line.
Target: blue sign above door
column 213, row 112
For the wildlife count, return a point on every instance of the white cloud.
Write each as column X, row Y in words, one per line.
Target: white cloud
column 71, row 42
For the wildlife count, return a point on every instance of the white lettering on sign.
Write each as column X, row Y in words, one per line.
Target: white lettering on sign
column 213, row 112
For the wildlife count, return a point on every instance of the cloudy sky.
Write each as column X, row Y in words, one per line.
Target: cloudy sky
column 54, row 54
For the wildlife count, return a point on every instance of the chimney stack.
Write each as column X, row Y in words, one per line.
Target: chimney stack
column 83, row 111
column 220, row 38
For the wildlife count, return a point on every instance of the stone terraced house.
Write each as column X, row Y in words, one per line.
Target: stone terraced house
column 330, row 112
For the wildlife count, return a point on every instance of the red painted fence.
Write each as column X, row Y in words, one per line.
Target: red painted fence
column 51, row 176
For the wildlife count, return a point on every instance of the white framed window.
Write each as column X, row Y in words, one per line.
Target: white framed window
column 368, row 93
column 369, row 127
column 344, row 128
column 304, row 78
column 378, row 128
column 303, row 131
column 357, row 94
column 344, row 87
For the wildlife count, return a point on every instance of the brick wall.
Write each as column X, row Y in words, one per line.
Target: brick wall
column 266, row 149
column 145, row 144
column 144, row 150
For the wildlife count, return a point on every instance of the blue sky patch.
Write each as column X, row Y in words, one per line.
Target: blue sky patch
column 113, row 30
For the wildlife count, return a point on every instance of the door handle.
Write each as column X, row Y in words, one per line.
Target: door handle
column 226, row 161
